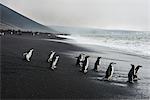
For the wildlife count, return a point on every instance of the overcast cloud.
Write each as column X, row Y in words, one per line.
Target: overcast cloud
column 110, row 14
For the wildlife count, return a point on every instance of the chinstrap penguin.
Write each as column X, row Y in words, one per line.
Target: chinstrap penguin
column 28, row 55
column 131, row 74
column 135, row 77
column 97, row 64
column 54, row 62
column 110, row 71
column 51, row 56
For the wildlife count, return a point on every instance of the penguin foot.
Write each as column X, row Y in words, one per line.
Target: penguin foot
column 130, row 82
column 97, row 70
column 52, row 68
column 24, row 54
column 85, row 71
column 136, row 79
column 49, row 60
column 105, row 79
column 28, row 60
column 109, row 78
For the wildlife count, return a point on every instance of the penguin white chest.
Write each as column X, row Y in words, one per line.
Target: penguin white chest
column 82, row 58
column 51, row 56
column 55, row 61
column 99, row 63
column 28, row 56
column 87, row 64
column 112, row 71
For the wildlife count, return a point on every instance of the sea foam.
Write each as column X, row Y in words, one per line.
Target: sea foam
column 130, row 41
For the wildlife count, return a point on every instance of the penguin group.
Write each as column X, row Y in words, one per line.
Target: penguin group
column 83, row 63
column 80, row 60
column 52, row 59
column 132, row 75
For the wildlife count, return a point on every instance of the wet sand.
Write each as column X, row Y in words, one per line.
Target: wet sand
column 34, row 80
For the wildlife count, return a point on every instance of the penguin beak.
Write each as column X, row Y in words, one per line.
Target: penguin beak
column 113, row 63
column 139, row 65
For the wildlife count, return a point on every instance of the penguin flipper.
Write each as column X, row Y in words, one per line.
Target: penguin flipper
column 25, row 54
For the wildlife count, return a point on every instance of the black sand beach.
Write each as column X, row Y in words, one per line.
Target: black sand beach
column 34, row 80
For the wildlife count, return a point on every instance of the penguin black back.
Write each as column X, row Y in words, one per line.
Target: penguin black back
column 78, row 59
column 109, row 70
column 131, row 74
column 97, row 62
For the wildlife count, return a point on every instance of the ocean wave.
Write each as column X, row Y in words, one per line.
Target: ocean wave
column 134, row 42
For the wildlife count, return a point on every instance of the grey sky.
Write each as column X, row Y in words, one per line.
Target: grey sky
column 110, row 14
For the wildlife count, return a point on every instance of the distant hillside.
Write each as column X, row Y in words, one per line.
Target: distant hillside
column 9, row 19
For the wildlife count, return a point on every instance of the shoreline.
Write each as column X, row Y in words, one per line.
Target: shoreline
column 34, row 79
column 106, row 45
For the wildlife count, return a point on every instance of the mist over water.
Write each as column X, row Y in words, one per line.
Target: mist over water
column 130, row 41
